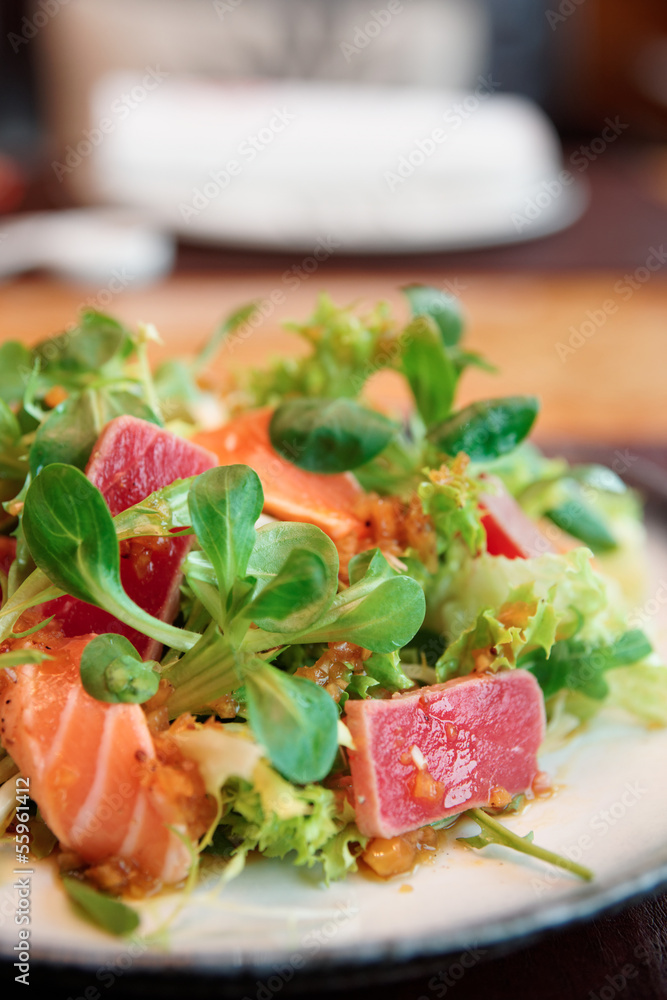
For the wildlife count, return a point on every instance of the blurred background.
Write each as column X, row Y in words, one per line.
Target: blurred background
column 254, row 127
column 169, row 159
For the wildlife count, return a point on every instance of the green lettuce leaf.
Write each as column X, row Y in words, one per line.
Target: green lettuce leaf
column 640, row 689
column 450, row 497
column 584, row 601
column 309, row 831
column 582, row 666
column 496, row 639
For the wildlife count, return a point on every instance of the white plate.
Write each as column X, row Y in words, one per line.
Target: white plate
column 610, row 813
column 286, row 165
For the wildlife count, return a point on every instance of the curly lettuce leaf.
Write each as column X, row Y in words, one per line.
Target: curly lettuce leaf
column 450, row 497
column 584, row 601
column 495, row 640
column 309, row 830
column 346, row 350
column 640, row 689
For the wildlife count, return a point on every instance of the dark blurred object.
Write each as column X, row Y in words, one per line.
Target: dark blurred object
column 608, row 57
column 520, row 42
column 12, row 184
column 20, row 131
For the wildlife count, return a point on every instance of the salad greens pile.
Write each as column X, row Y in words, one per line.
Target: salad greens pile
column 258, row 603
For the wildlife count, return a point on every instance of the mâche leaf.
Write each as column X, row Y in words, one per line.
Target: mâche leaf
column 493, row 832
column 84, row 349
column 293, row 600
column 13, row 455
column 207, row 353
column 164, row 512
column 211, row 669
column 429, row 371
column 380, row 611
column 579, row 665
column 444, row 309
column 112, row 670
column 582, row 521
column 274, row 543
column 385, row 669
column 296, row 721
column 329, row 435
column 487, row 429
column 176, row 380
column 15, row 368
column 105, row 911
column 369, row 565
column 34, row 590
column 224, row 505
column 71, row 536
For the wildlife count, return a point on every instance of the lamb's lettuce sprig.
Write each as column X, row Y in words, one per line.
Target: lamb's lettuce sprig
column 56, row 398
column 318, row 425
column 263, row 590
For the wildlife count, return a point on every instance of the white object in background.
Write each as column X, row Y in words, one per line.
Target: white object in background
column 378, row 169
column 85, row 246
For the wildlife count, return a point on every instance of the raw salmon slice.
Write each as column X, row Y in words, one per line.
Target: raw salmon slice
column 290, row 493
column 94, row 771
column 422, row 757
column 131, row 459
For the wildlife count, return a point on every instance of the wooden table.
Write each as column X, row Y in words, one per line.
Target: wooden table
column 600, row 374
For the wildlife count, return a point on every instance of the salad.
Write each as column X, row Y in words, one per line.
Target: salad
column 278, row 620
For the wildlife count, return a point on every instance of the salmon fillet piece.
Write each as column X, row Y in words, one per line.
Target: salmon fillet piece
column 93, row 767
column 290, row 493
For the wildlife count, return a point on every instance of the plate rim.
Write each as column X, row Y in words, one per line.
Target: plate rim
column 524, row 925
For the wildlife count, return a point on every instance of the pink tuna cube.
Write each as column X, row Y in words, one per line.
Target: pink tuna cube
column 423, row 756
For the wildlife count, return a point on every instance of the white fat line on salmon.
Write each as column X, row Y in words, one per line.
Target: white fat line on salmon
column 28, row 721
column 61, row 732
column 129, row 845
column 86, row 816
